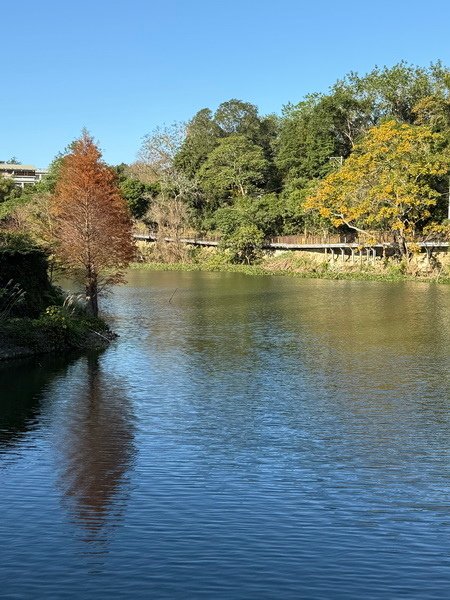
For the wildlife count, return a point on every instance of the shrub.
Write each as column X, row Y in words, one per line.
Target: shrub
column 23, row 263
column 245, row 244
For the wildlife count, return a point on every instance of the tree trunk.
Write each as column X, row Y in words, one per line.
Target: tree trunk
column 402, row 246
column 92, row 296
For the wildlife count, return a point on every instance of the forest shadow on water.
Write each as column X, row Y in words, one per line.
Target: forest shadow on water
column 23, row 385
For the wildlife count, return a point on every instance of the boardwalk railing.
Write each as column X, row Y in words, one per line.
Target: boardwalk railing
column 307, row 239
column 343, row 238
column 295, row 242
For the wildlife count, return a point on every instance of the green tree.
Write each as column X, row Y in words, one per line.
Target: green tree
column 238, row 117
column 236, row 167
column 205, row 130
column 202, row 136
column 394, row 91
column 320, row 127
column 326, row 125
column 306, row 140
column 137, row 195
column 228, row 219
column 242, row 118
column 8, row 189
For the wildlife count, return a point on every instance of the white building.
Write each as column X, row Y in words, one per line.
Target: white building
column 22, row 174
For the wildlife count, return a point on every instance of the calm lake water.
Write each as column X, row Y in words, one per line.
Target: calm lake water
column 253, row 437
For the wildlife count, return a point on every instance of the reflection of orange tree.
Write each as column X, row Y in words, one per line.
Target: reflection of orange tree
column 96, row 449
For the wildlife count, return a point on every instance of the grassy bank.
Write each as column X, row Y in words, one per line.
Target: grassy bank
column 301, row 267
column 36, row 316
column 55, row 330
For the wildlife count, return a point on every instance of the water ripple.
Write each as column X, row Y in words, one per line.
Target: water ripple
column 253, row 438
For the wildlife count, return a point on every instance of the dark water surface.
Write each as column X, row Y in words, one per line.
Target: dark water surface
column 255, row 437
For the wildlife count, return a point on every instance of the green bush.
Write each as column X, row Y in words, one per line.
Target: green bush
column 55, row 329
column 25, row 265
column 245, row 244
column 216, row 261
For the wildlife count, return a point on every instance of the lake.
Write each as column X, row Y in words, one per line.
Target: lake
column 245, row 437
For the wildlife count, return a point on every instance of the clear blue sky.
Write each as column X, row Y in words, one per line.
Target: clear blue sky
column 121, row 68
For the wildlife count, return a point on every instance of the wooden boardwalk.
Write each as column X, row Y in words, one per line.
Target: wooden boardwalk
column 332, row 244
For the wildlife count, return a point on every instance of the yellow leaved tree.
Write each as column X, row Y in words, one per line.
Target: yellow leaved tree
column 386, row 184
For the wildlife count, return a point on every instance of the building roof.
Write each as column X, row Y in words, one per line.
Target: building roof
column 13, row 167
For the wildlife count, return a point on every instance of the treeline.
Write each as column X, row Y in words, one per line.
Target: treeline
column 371, row 155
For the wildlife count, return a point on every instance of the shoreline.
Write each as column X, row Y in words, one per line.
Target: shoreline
column 332, row 275
column 25, row 338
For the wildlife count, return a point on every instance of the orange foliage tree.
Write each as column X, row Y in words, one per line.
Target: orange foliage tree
column 92, row 222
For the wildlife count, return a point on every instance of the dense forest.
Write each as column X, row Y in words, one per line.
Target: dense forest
column 369, row 156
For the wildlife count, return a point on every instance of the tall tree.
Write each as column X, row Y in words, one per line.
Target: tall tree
column 160, row 148
column 306, row 140
column 394, row 91
column 238, row 117
column 320, row 127
column 205, row 132
column 157, row 163
column 202, row 136
column 235, row 168
column 93, row 226
column 386, row 183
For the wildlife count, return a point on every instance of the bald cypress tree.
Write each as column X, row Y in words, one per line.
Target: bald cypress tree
column 93, row 225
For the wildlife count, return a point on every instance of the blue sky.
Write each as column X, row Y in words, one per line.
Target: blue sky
column 120, row 69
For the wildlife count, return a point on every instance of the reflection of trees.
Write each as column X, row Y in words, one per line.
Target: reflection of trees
column 371, row 332
column 227, row 328
column 96, row 449
column 222, row 310
column 264, row 356
column 22, row 387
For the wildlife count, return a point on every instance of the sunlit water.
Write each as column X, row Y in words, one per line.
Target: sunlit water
column 246, row 437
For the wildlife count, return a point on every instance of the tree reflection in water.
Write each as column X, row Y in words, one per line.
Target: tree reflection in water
column 96, row 452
